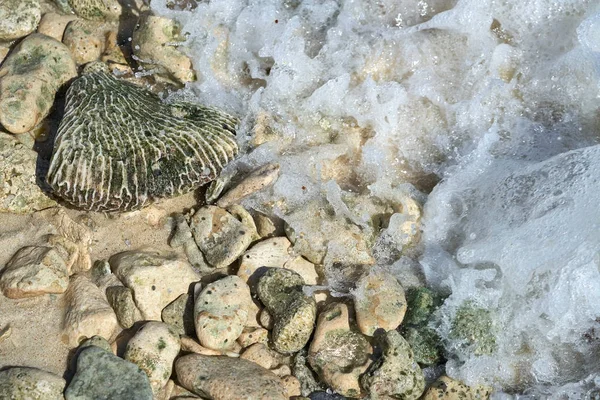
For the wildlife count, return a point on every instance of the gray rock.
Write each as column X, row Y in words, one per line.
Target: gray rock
column 102, row 375
column 224, row 378
column 19, row 192
column 294, row 313
column 121, row 300
column 396, row 374
column 33, row 271
column 302, row 372
column 425, row 344
column 18, row 18
column 25, row 383
column 180, row 315
column 29, row 80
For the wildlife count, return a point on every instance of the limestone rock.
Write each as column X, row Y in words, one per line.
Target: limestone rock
column 102, row 375
column 154, row 279
column 29, row 79
column 222, row 310
column 76, row 255
column 260, row 354
column 185, row 145
column 291, row 385
column 180, row 315
column 396, row 374
column 31, row 384
column 379, row 302
column 280, row 290
column 121, row 300
column 250, row 336
column 154, row 348
column 425, row 344
column 220, row 235
column 33, row 271
column 223, row 378
column 87, row 40
column 97, row 9
column 254, row 182
column 18, row 18
column 155, row 46
column 446, row 388
column 88, row 313
column 54, row 25
column 338, row 353
column 19, row 192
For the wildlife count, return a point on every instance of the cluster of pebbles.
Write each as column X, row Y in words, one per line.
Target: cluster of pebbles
column 241, row 308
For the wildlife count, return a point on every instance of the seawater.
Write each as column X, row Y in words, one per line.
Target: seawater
column 490, row 107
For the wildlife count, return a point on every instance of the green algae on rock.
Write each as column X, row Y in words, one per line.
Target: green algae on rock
column 474, row 328
column 119, row 147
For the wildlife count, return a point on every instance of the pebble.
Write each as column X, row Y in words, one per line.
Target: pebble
column 250, row 336
column 88, row 313
column 422, row 302
column 97, row 9
column 18, row 18
column 76, row 255
column 87, row 40
column 267, row 226
column 224, row 378
column 338, row 353
column 154, row 348
column 222, row 236
column 54, row 24
column 306, row 377
column 154, row 44
column 191, row 346
column 154, row 279
column 446, row 388
column 180, row 315
column 396, row 374
column 121, row 300
column 256, row 181
column 294, row 313
column 19, row 192
column 33, row 271
column 102, row 375
column 76, row 232
column 25, row 383
column 276, row 253
column 291, row 385
column 260, row 354
column 379, row 302
column 29, row 79
column 425, row 344
column 221, row 312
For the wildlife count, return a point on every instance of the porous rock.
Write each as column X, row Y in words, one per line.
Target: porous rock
column 54, row 24
column 172, row 148
column 155, row 280
column 18, row 18
column 446, row 388
column 30, row 383
column 29, row 80
column 87, row 40
column 121, row 300
column 33, row 271
column 96, row 9
column 223, row 378
column 180, row 315
column 254, row 182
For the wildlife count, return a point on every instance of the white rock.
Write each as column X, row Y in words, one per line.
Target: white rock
column 88, row 313
column 154, row 348
column 33, row 271
column 30, row 384
column 254, row 182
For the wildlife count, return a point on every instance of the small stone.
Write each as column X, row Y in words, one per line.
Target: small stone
column 421, row 304
column 76, row 232
column 29, row 80
column 266, row 319
column 379, row 302
column 102, row 375
column 223, row 378
column 86, row 40
column 268, row 226
column 474, row 329
column 33, row 271
column 294, row 313
column 282, row 370
column 75, row 255
column 154, row 279
column 291, row 385
column 254, row 182
column 308, row 382
column 25, row 383
column 191, row 346
column 97, row 9
column 276, row 253
column 18, row 18
column 154, row 348
column 338, row 353
column 97, row 341
column 222, row 310
column 446, row 388
column 54, row 25
column 121, row 300
column 250, row 336
column 155, row 42
column 425, row 344
column 19, row 192
column 220, row 235
column 180, row 315
column 88, row 313
column 5, row 333
column 396, row 374
column 260, row 354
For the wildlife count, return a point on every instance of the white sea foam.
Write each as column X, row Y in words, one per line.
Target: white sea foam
column 492, row 96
